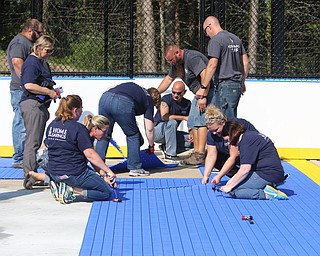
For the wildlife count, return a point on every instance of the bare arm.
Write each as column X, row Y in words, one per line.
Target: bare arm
column 96, row 160
column 165, row 115
column 228, row 164
column 210, row 161
column 17, row 65
column 210, row 70
column 201, row 93
column 245, row 61
column 149, row 127
column 37, row 89
column 237, row 178
column 165, row 83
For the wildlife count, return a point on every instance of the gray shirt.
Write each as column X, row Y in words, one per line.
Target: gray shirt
column 229, row 49
column 19, row 47
column 194, row 63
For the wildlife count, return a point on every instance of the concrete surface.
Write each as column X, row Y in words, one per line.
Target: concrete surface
column 33, row 223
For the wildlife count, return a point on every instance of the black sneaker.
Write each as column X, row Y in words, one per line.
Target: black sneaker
column 162, row 147
column 173, row 159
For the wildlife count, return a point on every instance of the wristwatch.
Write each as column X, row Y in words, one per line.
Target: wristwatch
column 203, row 87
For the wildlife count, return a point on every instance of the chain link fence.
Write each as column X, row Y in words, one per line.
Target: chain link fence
column 127, row 38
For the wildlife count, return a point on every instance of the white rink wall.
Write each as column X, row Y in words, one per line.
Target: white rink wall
column 286, row 111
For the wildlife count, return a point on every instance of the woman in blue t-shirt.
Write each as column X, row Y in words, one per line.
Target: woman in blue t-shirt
column 220, row 155
column 35, row 101
column 260, row 165
column 69, row 149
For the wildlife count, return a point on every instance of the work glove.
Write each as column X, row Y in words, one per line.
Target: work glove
column 150, row 150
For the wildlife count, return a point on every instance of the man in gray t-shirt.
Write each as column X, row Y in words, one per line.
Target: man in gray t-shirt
column 18, row 50
column 190, row 66
column 228, row 65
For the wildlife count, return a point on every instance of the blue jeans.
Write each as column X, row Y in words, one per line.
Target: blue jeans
column 196, row 118
column 18, row 128
column 121, row 110
column 97, row 188
column 251, row 188
column 228, row 95
column 175, row 141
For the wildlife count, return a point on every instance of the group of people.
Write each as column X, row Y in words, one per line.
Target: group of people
column 219, row 139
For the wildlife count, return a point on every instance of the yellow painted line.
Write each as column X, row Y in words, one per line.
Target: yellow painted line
column 309, row 169
column 299, row 153
column 7, row 151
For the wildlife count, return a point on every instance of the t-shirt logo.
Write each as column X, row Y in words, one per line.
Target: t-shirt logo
column 57, row 133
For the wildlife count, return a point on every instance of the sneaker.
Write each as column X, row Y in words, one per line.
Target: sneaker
column 54, row 189
column 173, row 159
column 65, row 193
column 17, row 165
column 215, row 170
column 139, row 172
column 272, row 193
column 162, row 148
column 194, row 159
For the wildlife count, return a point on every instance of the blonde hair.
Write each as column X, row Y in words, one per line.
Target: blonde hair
column 66, row 105
column 214, row 115
column 43, row 42
column 98, row 121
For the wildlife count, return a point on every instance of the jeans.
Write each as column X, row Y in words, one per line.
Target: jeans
column 228, row 95
column 175, row 141
column 121, row 110
column 18, row 128
column 196, row 118
column 97, row 188
column 251, row 188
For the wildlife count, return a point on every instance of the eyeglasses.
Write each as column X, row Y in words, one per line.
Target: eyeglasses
column 49, row 51
column 178, row 93
column 38, row 32
column 170, row 60
column 104, row 131
column 205, row 29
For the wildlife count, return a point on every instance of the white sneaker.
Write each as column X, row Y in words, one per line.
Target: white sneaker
column 139, row 172
column 215, row 170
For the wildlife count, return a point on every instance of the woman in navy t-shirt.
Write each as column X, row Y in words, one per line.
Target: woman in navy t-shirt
column 220, row 154
column 260, row 165
column 69, row 149
column 35, row 101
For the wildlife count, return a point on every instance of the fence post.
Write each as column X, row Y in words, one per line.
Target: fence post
column 277, row 37
column 106, row 37
column 131, row 71
column 202, row 33
column 37, row 9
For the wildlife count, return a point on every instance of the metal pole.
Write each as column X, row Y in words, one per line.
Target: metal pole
column 131, row 40
column 106, row 37
column 202, row 33
column 37, row 9
column 277, row 37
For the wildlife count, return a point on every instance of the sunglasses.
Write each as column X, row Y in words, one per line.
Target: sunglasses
column 38, row 32
column 178, row 93
column 205, row 29
column 49, row 51
column 104, row 131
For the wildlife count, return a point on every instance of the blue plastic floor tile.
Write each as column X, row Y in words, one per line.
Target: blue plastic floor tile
column 183, row 217
column 148, row 161
column 9, row 173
